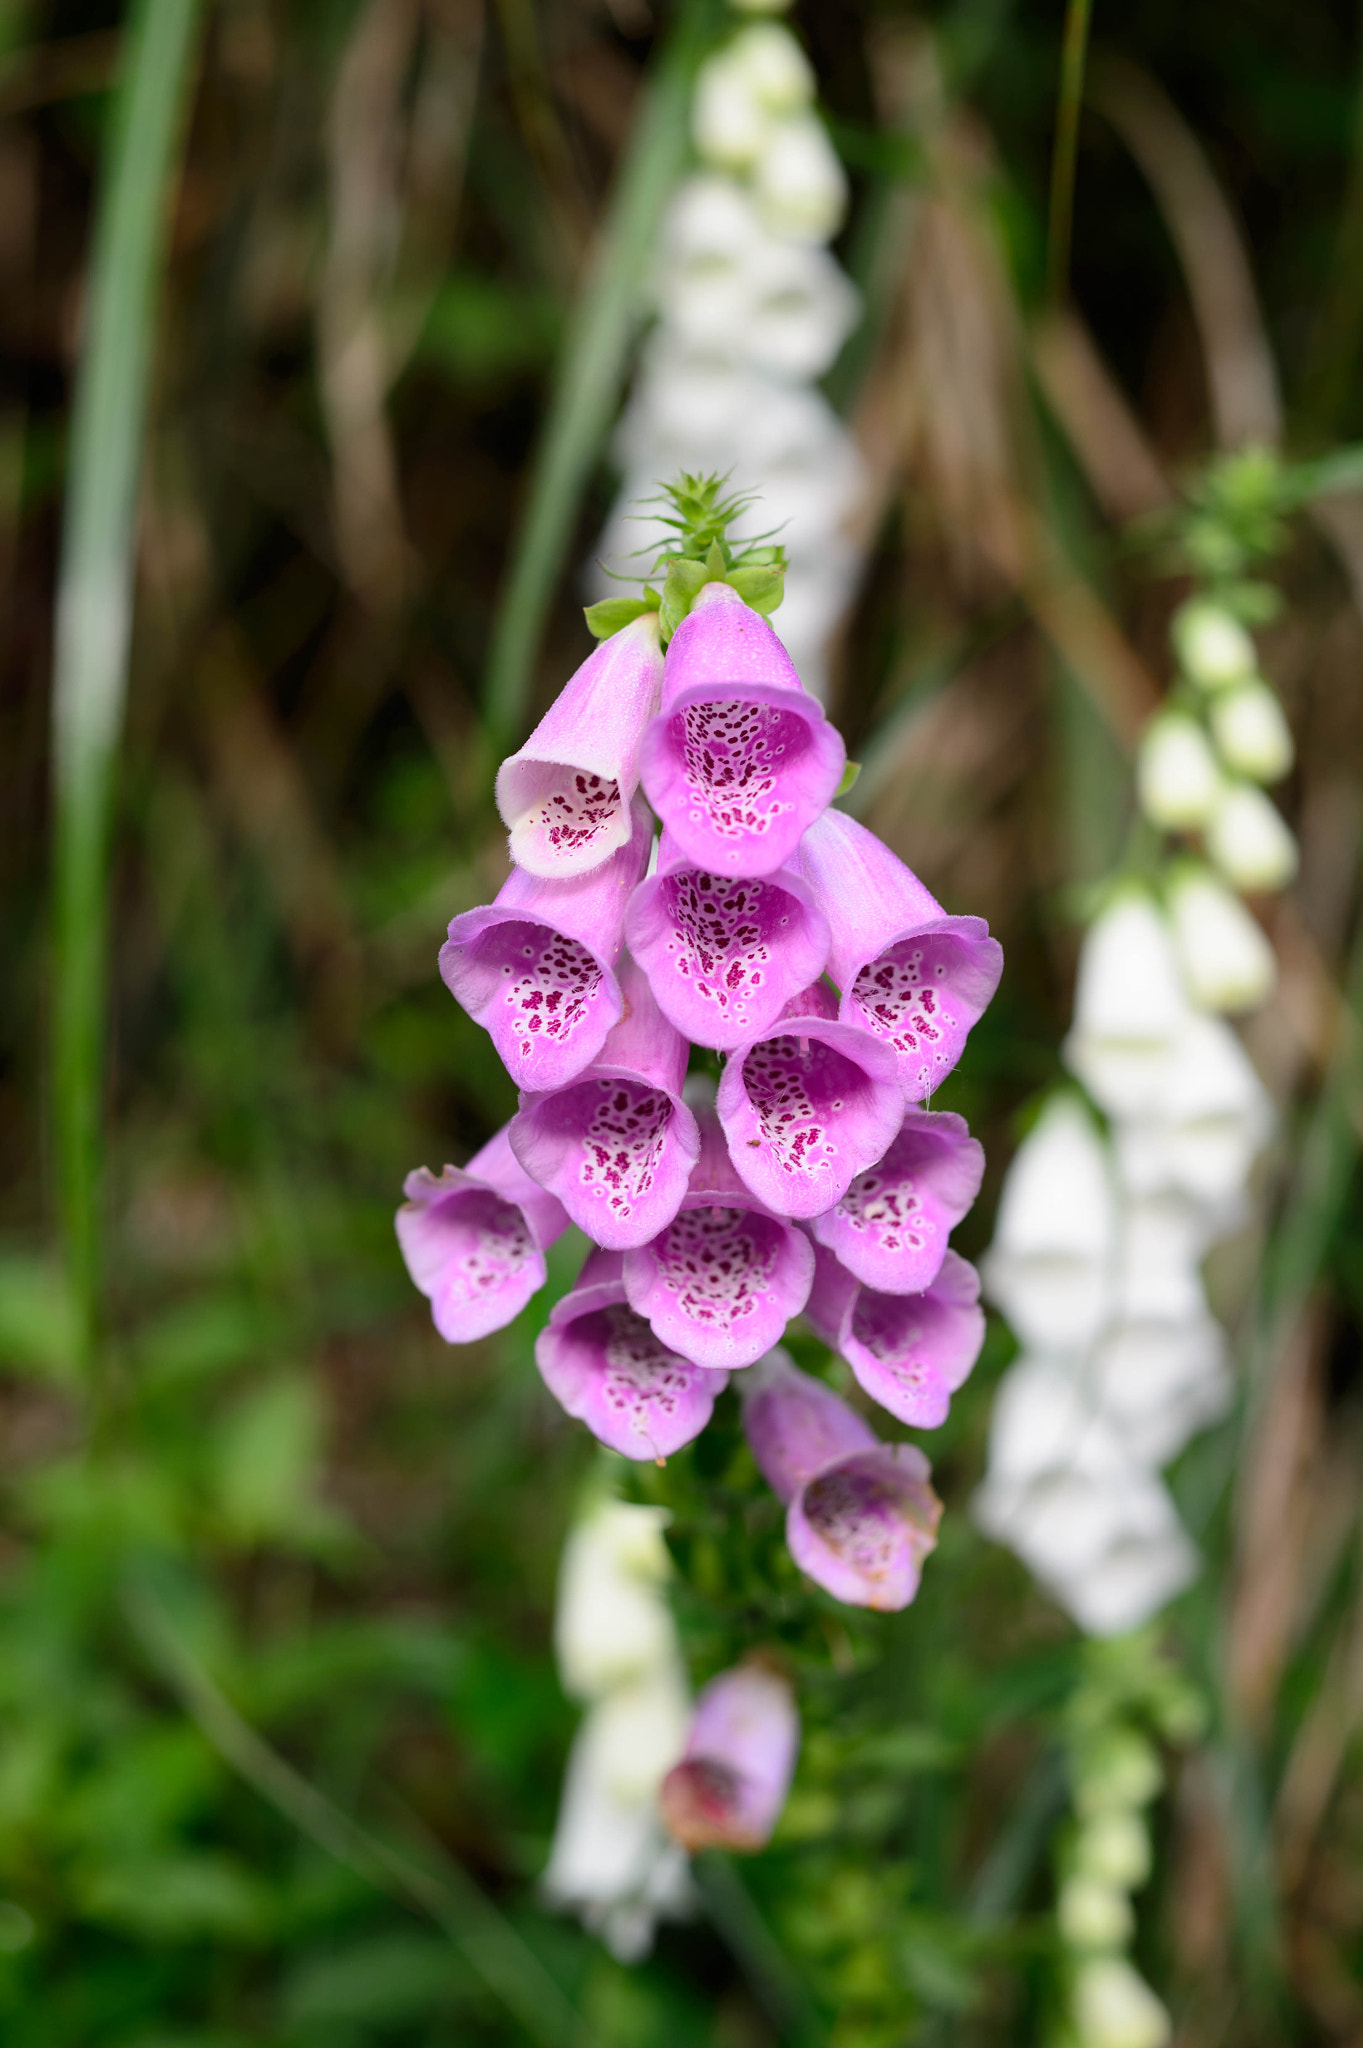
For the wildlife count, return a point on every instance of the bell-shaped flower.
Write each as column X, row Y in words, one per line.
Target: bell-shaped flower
column 565, row 797
column 1177, row 779
column 1129, row 1008
column 1115, row 2008
column 612, row 1623
column 909, row 974
column 806, row 1105
column 537, row 967
column 603, row 1364
column 1098, row 1530
column 1162, row 1240
column 1214, row 1119
column 724, row 956
column 474, row 1239
column 1249, row 841
column 1227, row 962
column 1050, row 1268
column 617, row 1145
column 1158, row 1381
column 860, row 1514
column 800, row 183
column 720, row 1283
column 1251, row 734
column 1212, row 646
column 611, row 1861
column 910, row 1352
column 740, row 759
column 728, row 1790
column 892, row 1225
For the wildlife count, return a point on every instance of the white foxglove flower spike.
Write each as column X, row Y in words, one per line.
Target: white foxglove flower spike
column 1249, row 841
column 1227, row 962
column 1176, row 773
column 1212, row 646
column 1251, row 734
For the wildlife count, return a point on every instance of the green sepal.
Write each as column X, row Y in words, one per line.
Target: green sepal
column 849, row 776
column 611, row 613
column 717, row 562
column 761, row 586
column 685, row 579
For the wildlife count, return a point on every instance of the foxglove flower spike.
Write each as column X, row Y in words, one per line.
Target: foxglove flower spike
column 910, row 1352
column 892, row 1225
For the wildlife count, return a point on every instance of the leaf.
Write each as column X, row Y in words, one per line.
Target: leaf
column 612, row 613
column 760, row 585
column 684, row 582
column 379, row 1982
column 39, row 1330
column 267, row 1458
column 849, row 777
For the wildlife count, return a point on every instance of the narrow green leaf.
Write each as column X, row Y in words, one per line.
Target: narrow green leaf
column 612, row 613
column 684, row 580
column 761, row 586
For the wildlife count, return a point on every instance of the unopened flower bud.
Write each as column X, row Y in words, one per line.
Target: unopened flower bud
column 1176, row 774
column 774, row 65
column 1212, row 646
column 1227, row 962
column 1251, row 733
column 729, row 125
column 1114, row 1848
column 1115, row 2008
column 1249, row 841
column 1122, row 1770
column 801, row 186
column 1092, row 1914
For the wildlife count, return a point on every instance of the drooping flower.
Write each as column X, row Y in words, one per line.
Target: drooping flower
column 603, row 1364
column 728, row 1790
column 721, row 1282
column 1226, row 961
column 1211, row 1123
column 801, row 185
column 565, row 796
column 806, row 1105
column 1251, row 734
column 617, row 1145
column 1130, row 1010
column 474, row 1239
column 860, row 1514
column 740, row 759
column 537, row 967
column 612, row 1624
column 1161, row 1244
column 1157, row 1381
column 724, row 956
column 891, row 1227
column 1115, row 2008
column 1249, row 840
column 910, row 1352
column 1176, row 773
column 760, row 75
column 1051, row 1266
column 909, row 974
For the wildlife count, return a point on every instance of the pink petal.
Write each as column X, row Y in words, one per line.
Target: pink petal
column 724, row 957
column 740, row 760
column 909, row 1351
column 604, row 1365
column 862, row 1527
column 891, row 1226
column 565, row 796
column 796, row 1426
column 536, row 968
column 731, row 1784
column 474, row 1240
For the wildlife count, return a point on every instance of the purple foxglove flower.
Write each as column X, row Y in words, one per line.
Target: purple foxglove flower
column 891, row 1226
column 860, row 1514
column 603, row 1364
column 724, row 957
column 565, row 797
column 909, row 1351
column 474, row 1240
column 807, row 1104
column 908, row 973
column 731, row 1784
column 617, row 1145
column 537, row 967
column 722, row 1281
column 740, row 759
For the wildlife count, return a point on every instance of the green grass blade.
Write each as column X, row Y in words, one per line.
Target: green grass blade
column 590, row 372
column 94, row 599
column 1073, row 55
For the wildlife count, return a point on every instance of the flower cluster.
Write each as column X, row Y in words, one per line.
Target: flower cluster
column 812, row 1179
column 751, row 311
column 650, row 1776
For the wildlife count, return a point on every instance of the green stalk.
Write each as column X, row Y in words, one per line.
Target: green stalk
column 590, row 371
column 94, row 599
column 1073, row 55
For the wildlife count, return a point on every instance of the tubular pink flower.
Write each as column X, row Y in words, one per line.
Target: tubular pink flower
column 565, row 796
column 909, row 974
column 604, row 1365
column 537, row 967
column 721, row 1282
column 891, row 1226
column 731, row 1784
column 474, row 1240
column 617, row 1145
column 724, row 957
column 910, row 1352
column 860, row 1514
column 740, row 759
column 807, row 1104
